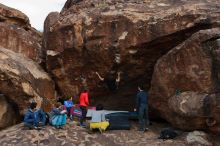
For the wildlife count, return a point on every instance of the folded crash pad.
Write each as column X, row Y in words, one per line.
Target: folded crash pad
column 133, row 115
column 118, row 121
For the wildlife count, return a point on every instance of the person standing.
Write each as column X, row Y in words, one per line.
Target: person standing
column 142, row 108
column 84, row 102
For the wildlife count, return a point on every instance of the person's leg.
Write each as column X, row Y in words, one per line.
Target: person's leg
column 84, row 111
column 63, row 120
column 71, row 112
column 147, row 116
column 29, row 125
column 42, row 117
column 68, row 111
column 81, row 118
column 55, row 121
column 144, row 117
column 36, row 119
column 140, row 117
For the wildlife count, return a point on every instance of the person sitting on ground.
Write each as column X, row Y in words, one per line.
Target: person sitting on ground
column 111, row 81
column 84, row 103
column 58, row 116
column 142, row 106
column 69, row 107
column 41, row 117
column 34, row 118
column 98, row 120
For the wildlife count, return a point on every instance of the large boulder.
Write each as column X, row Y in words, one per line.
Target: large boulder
column 17, row 34
column 185, row 84
column 21, row 82
column 118, row 35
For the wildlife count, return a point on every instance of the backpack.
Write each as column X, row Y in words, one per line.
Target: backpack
column 167, row 133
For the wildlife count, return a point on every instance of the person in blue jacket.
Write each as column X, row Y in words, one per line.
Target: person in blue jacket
column 69, row 107
column 34, row 118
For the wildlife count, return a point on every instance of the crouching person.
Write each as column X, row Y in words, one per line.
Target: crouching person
column 34, row 118
column 98, row 120
column 58, row 116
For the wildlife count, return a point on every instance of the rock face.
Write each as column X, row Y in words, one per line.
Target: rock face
column 17, row 34
column 118, row 35
column 185, row 83
column 22, row 81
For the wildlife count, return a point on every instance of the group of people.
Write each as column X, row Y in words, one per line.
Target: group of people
column 57, row 117
column 34, row 118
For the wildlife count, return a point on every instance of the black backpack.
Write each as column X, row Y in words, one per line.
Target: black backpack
column 167, row 133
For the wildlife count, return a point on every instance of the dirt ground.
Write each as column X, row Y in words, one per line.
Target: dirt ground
column 74, row 135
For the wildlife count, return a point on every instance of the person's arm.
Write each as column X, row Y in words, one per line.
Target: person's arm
column 65, row 104
column 101, row 78
column 137, row 102
column 56, row 112
column 118, row 77
column 27, row 118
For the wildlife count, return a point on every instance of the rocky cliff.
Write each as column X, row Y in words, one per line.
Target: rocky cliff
column 22, row 80
column 117, row 35
column 172, row 47
column 17, row 34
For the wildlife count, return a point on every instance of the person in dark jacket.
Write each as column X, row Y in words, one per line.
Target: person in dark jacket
column 30, row 119
column 142, row 108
